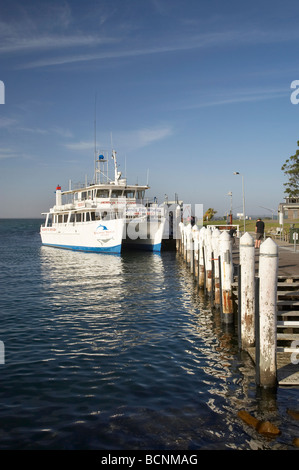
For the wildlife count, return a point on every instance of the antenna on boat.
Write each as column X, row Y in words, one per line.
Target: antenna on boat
column 95, row 139
column 111, row 140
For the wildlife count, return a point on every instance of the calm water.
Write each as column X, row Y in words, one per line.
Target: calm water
column 120, row 352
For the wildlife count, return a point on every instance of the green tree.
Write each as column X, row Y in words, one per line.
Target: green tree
column 209, row 214
column 291, row 170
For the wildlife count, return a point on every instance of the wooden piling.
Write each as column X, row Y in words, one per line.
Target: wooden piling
column 215, row 245
column 208, row 260
column 201, row 267
column 181, row 228
column 267, row 323
column 257, row 295
column 226, row 264
column 247, row 292
column 188, row 233
column 195, row 232
column 185, row 243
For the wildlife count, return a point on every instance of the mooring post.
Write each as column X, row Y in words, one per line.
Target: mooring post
column 195, row 232
column 182, row 238
column 247, row 292
column 176, row 227
column 188, row 230
column 185, row 242
column 178, row 238
column 267, row 328
column 191, row 251
column 179, row 235
column 215, row 245
column 225, row 249
column 201, row 267
column 208, row 260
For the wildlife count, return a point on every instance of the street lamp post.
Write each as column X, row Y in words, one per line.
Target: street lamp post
column 231, row 207
column 237, row 173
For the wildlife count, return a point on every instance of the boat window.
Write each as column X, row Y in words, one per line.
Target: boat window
column 83, row 195
column 103, row 215
column 78, row 217
column 93, row 216
column 60, row 219
column 116, row 193
column 50, row 220
column 129, row 193
column 65, row 218
column 140, row 194
column 72, row 218
column 87, row 217
column 102, row 193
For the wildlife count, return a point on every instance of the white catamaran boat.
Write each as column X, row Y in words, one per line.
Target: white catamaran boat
column 105, row 216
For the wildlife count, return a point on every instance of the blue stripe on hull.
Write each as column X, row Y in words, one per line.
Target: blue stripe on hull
column 90, row 249
column 143, row 247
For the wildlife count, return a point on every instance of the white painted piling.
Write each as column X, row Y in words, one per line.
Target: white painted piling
column 215, row 246
column 191, row 252
column 195, row 235
column 178, row 234
column 185, row 242
column 267, row 329
column 226, row 269
column 247, row 292
column 181, row 226
column 208, row 260
column 201, row 248
column 188, row 230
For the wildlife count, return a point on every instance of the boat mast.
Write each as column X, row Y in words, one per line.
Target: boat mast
column 95, row 140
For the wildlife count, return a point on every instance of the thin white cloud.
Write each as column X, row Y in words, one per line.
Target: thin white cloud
column 33, row 130
column 68, row 59
column 234, row 38
column 52, row 130
column 136, row 139
column 7, row 122
column 147, row 136
column 240, row 96
column 38, row 43
column 128, row 140
column 80, row 146
column 62, row 132
column 6, row 153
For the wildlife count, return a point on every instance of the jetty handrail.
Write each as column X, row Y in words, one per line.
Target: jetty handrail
column 222, row 227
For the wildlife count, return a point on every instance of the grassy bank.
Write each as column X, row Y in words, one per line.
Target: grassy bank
column 270, row 225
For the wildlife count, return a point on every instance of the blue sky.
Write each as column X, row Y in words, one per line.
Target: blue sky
column 190, row 91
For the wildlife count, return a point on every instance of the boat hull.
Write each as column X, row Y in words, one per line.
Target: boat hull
column 144, row 234
column 97, row 236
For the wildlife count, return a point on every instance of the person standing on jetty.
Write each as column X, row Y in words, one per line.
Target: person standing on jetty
column 259, row 230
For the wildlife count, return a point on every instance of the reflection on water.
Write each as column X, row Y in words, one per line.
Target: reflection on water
column 122, row 352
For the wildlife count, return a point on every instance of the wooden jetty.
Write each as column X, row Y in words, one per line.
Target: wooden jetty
column 249, row 290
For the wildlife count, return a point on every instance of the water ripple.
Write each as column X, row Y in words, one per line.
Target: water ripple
column 114, row 352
